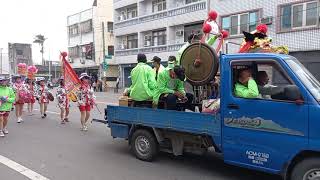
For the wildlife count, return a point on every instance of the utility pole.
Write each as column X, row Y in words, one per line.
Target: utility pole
column 103, row 43
column 103, row 49
column 1, row 59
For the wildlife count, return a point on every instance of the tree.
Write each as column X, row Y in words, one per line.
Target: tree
column 40, row 39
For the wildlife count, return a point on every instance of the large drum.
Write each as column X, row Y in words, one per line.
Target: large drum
column 201, row 63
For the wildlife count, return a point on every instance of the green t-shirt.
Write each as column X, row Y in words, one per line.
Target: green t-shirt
column 143, row 82
column 9, row 93
column 250, row 91
column 164, row 87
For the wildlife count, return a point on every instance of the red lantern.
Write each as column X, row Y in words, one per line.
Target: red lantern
column 206, row 28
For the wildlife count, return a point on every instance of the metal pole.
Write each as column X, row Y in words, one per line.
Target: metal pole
column 104, row 50
column 1, row 59
column 49, row 70
column 55, row 71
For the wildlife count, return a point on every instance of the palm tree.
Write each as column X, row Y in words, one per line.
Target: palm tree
column 40, row 39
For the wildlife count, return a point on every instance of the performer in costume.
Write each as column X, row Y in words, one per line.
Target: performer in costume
column 86, row 100
column 21, row 96
column 258, row 41
column 63, row 101
column 7, row 98
column 42, row 96
column 31, row 91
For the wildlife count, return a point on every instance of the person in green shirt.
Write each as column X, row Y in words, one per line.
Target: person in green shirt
column 191, row 38
column 172, row 61
column 158, row 67
column 246, row 87
column 7, row 97
column 171, row 94
column 143, row 81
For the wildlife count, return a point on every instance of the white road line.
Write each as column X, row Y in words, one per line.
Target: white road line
column 21, row 169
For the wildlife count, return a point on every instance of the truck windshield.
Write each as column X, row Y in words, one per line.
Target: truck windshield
column 305, row 76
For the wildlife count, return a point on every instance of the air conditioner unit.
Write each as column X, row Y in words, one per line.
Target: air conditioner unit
column 70, row 60
column 122, row 46
column 267, row 20
column 179, row 33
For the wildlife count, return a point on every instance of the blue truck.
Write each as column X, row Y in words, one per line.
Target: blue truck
column 278, row 135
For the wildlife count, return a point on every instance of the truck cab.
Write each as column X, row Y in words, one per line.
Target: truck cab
column 277, row 134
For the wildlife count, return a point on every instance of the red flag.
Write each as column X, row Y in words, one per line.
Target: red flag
column 71, row 79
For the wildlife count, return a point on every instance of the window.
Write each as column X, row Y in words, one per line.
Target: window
column 132, row 41
column 159, row 38
column 110, row 27
column 159, row 5
column 74, row 52
column 192, row 28
column 74, row 30
column 19, row 52
column 128, row 13
column 86, row 26
column 147, row 40
column 269, row 76
column 301, row 15
column 132, row 12
column 191, row 1
column 111, row 50
column 237, row 23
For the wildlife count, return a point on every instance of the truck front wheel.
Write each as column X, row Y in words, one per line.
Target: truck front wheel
column 308, row 169
column 144, row 145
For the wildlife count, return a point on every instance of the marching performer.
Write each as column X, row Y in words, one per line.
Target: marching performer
column 31, row 99
column 7, row 97
column 86, row 100
column 63, row 101
column 42, row 96
column 21, row 96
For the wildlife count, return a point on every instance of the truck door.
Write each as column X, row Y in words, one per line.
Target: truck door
column 263, row 132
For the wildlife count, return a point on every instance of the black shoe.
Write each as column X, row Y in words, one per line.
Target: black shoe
column 45, row 115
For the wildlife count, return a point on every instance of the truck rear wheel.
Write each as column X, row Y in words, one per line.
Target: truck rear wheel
column 144, row 145
column 308, row 169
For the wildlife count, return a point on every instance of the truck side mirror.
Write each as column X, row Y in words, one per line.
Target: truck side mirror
column 292, row 93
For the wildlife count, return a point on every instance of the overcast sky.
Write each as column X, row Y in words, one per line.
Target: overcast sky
column 21, row 20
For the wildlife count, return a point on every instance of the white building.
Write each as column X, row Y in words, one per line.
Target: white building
column 294, row 23
column 4, row 63
column 103, row 26
column 80, row 42
column 153, row 27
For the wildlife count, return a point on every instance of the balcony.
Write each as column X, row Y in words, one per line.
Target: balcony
column 189, row 8
column 153, row 49
column 148, row 50
column 127, row 52
column 128, row 22
column 153, row 17
column 175, row 47
column 192, row 7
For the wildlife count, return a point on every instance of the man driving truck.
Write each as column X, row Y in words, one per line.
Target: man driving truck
column 246, row 87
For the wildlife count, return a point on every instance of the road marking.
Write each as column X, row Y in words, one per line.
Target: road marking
column 21, row 169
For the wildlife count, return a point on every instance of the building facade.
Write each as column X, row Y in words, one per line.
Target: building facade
column 81, row 42
column 19, row 53
column 153, row 27
column 294, row 23
column 104, row 41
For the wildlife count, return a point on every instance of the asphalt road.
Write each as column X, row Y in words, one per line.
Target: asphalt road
column 63, row 152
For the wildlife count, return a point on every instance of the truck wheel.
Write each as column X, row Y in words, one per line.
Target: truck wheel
column 308, row 169
column 144, row 145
